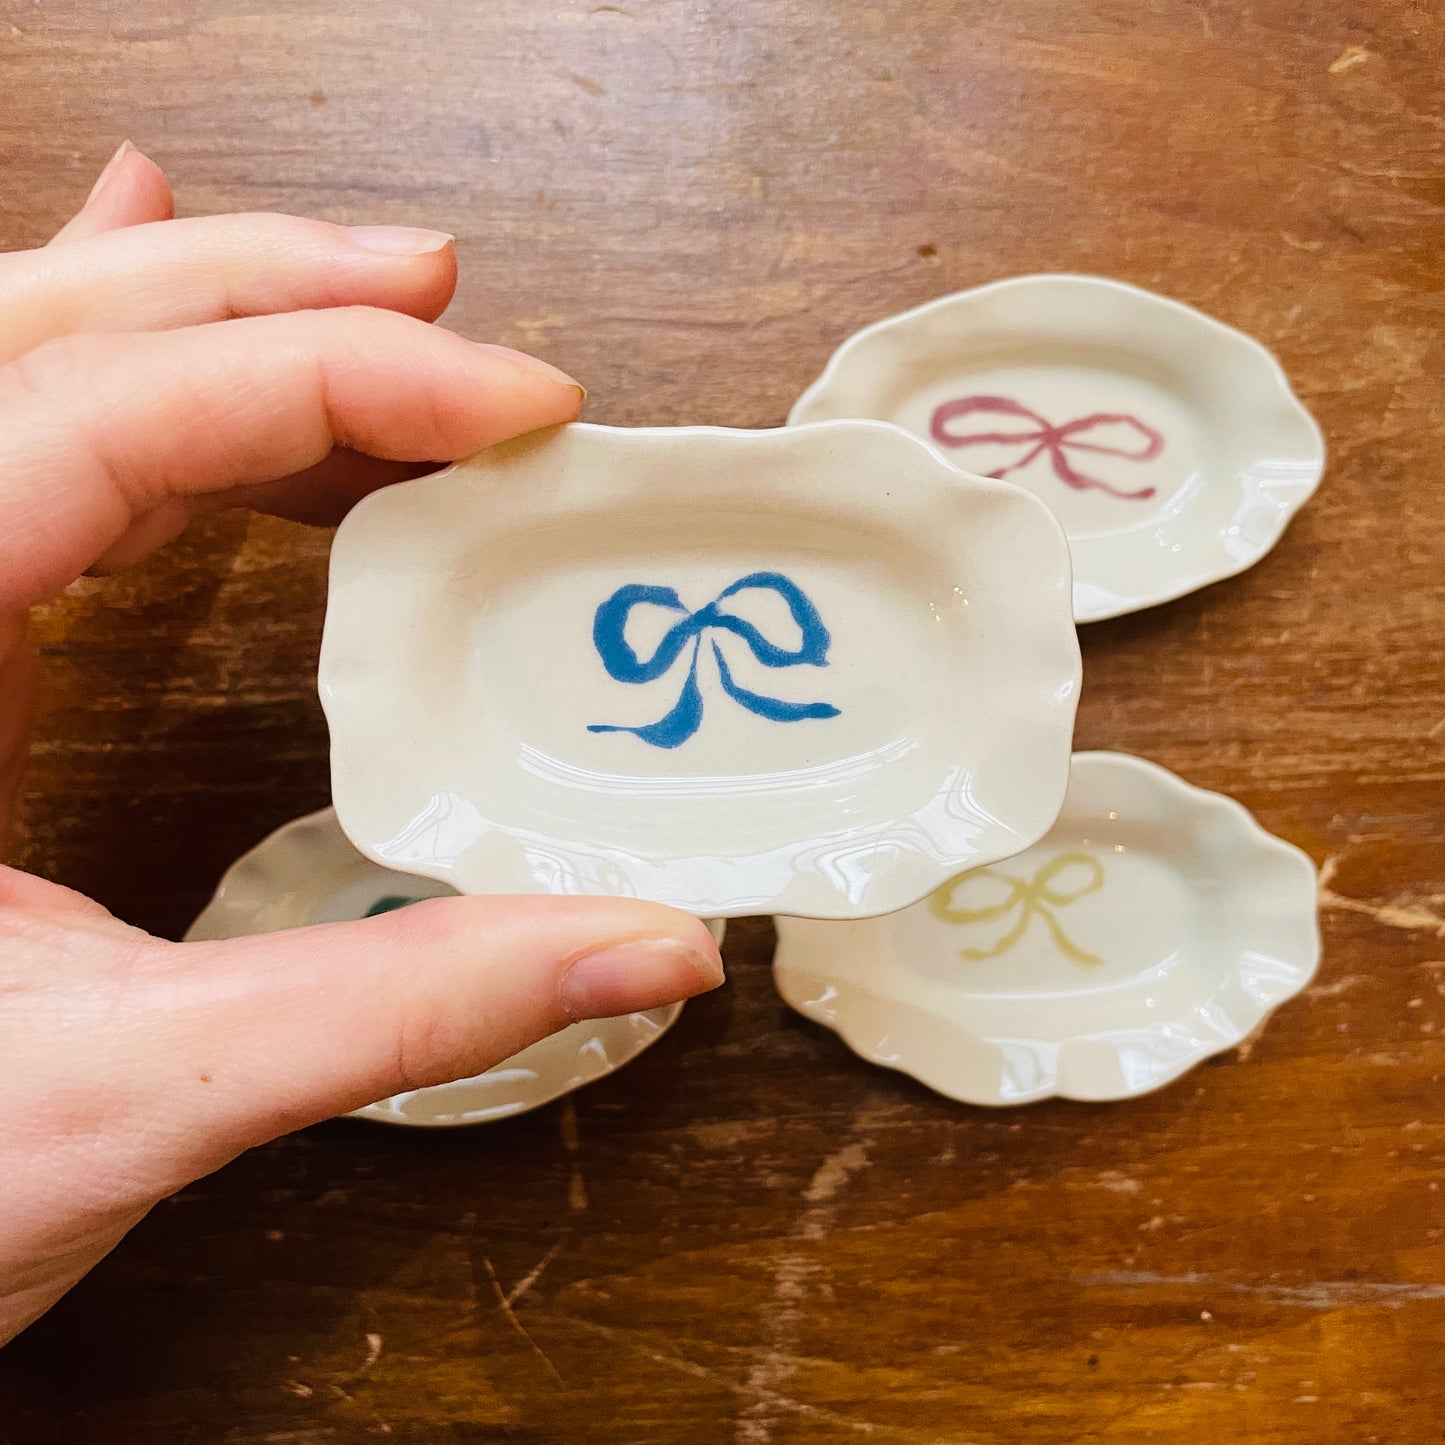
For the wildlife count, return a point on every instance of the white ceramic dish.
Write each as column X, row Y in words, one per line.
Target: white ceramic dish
column 1155, row 925
column 306, row 872
column 1169, row 445
column 810, row 670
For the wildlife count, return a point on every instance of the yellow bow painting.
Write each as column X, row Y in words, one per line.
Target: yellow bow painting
column 1039, row 895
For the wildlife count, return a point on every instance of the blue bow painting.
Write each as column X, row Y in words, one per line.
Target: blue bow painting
column 609, row 629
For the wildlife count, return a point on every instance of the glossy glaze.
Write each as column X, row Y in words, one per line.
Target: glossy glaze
column 1155, row 925
column 813, row 1251
column 809, row 670
column 1169, row 445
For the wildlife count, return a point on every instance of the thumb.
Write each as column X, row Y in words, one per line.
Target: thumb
column 134, row 1066
column 266, row 1034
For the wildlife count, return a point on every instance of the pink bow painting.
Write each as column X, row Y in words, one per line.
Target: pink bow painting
column 1041, row 436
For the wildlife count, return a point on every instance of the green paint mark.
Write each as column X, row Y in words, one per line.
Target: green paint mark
column 388, row 904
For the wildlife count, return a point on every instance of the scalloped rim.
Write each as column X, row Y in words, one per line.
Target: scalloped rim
column 878, row 1027
column 275, row 884
column 909, row 855
column 1267, row 505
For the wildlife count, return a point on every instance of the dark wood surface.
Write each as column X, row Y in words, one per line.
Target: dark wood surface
column 750, row 1236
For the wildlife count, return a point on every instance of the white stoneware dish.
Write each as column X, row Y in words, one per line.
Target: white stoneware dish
column 1169, row 445
column 1155, row 925
column 812, row 670
column 306, row 872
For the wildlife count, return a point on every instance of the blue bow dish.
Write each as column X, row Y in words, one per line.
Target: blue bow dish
column 609, row 630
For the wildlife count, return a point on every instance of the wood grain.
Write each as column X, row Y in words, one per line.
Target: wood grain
column 749, row 1236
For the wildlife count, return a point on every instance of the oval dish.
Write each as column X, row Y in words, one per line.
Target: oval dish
column 1155, row 925
column 1169, row 445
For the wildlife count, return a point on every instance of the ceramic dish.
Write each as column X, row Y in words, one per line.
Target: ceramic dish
column 306, row 872
column 1155, row 925
column 1169, row 445
column 807, row 671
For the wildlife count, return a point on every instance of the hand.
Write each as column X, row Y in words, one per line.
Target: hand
column 151, row 369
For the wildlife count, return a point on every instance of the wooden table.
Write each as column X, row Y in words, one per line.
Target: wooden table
column 750, row 1236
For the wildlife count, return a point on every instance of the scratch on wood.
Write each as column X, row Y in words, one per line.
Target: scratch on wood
column 730, row 1134
column 1339, row 986
column 504, row 1304
column 576, row 1186
column 1118, row 1182
column 832, row 1174
column 758, row 1395
column 534, row 1274
column 1348, row 58
column 793, row 1275
column 1321, row 1295
column 1392, row 915
column 567, row 1121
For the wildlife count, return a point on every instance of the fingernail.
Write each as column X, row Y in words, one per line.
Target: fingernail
column 645, row 973
column 110, row 168
column 536, row 366
column 399, row 240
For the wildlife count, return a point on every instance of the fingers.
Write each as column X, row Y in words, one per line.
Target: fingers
column 37, row 897
column 320, row 496
column 257, row 1036
column 184, row 273
column 135, row 1066
column 102, row 434
column 131, row 190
